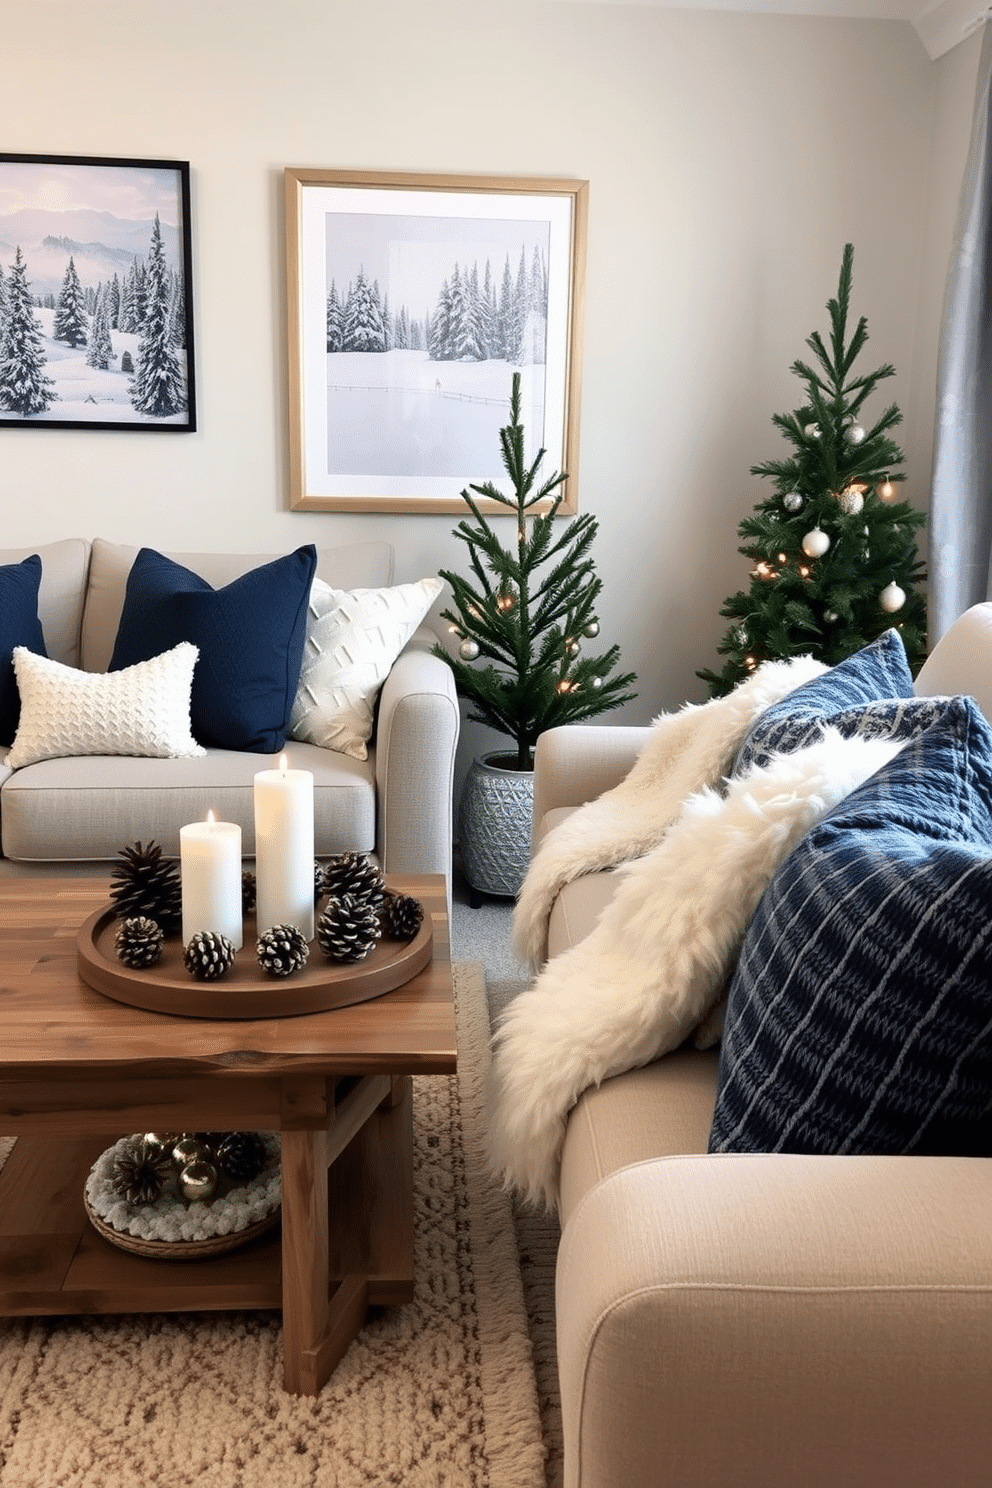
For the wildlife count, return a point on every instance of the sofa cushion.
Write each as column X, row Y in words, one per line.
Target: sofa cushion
column 352, row 639
column 64, row 569
column 250, row 634
column 142, row 710
column 19, row 626
column 877, row 673
column 352, row 566
column 664, row 1109
column 860, row 1016
column 89, row 807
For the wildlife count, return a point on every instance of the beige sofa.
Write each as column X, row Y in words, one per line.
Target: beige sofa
column 756, row 1321
column 79, row 812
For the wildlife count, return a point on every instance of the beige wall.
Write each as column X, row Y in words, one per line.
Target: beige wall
column 730, row 158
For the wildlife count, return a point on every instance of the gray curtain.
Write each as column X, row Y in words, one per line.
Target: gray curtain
column 961, row 504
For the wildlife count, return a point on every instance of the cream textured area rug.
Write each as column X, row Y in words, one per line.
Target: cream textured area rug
column 438, row 1394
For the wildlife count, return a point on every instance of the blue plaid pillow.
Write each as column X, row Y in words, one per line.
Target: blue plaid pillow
column 860, row 1013
column 878, row 673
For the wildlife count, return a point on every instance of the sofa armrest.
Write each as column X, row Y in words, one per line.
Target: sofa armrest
column 578, row 762
column 765, row 1321
column 416, row 735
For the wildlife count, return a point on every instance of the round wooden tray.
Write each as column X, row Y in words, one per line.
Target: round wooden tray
column 246, row 991
column 180, row 1250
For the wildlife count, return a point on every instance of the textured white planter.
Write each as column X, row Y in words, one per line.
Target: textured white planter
column 494, row 825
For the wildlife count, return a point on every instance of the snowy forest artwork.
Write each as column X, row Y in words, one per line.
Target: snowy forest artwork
column 95, row 313
column 424, row 308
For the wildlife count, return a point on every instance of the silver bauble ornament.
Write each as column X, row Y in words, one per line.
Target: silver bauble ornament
column 596, row 683
column 855, row 434
column 573, row 648
column 831, row 617
column 792, row 501
column 892, row 598
column 468, row 650
column 812, row 431
column 592, row 629
column 851, row 502
column 815, row 543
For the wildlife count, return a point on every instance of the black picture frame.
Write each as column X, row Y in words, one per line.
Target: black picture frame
column 85, row 241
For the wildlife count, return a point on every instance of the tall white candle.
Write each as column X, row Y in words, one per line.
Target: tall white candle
column 284, row 849
column 210, row 868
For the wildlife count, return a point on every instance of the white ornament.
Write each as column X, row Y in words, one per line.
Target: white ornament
column 855, row 434
column 468, row 650
column 831, row 617
column 792, row 501
column 851, row 501
column 892, row 598
column 812, row 431
column 815, row 543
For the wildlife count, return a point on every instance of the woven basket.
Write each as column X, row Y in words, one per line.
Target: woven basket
column 180, row 1250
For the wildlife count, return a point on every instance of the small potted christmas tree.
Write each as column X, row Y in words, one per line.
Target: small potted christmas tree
column 834, row 552
column 522, row 621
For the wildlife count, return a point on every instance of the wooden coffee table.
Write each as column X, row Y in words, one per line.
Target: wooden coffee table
column 78, row 1070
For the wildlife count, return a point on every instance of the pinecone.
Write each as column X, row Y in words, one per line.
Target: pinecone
column 242, row 1155
column 138, row 942
column 348, row 929
column 354, row 874
column 318, row 881
column 149, row 885
column 140, row 1172
column 401, row 916
column 282, row 950
column 248, row 891
column 208, row 956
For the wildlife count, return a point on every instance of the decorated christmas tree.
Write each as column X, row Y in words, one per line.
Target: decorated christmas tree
column 834, row 552
column 528, row 610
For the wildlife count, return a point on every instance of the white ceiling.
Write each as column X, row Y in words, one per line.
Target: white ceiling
column 940, row 26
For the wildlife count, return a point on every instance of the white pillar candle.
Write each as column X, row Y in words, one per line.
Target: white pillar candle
column 284, row 849
column 210, row 868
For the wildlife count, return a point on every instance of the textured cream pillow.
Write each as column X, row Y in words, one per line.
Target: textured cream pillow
column 141, row 710
column 353, row 638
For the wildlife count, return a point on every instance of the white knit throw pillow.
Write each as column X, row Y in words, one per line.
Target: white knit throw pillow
column 353, row 638
column 140, row 710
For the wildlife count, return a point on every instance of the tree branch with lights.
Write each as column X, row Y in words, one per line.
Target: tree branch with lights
column 526, row 612
column 834, row 552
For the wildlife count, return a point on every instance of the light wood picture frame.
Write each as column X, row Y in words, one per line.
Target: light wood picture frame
column 411, row 301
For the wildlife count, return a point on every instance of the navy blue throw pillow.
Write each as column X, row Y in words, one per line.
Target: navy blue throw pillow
column 877, row 673
column 250, row 634
column 859, row 1018
column 19, row 626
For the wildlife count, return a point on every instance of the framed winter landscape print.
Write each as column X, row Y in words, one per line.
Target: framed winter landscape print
column 96, row 313
column 412, row 300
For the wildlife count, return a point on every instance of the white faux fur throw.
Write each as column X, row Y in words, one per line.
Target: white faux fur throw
column 656, row 961
column 687, row 750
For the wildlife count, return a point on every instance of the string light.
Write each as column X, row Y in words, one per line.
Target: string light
column 887, row 490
